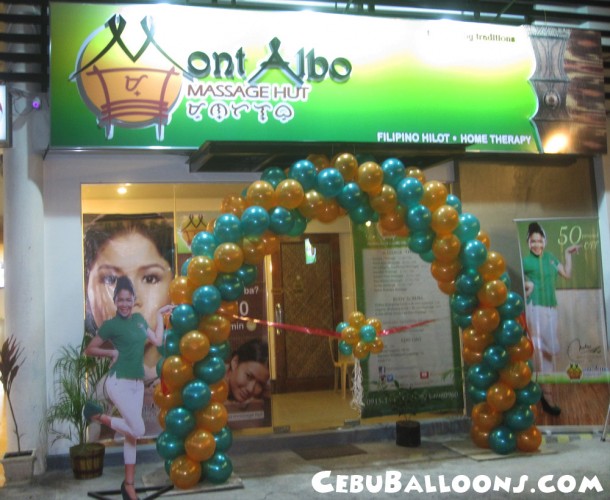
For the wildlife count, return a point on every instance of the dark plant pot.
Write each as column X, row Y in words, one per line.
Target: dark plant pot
column 18, row 467
column 408, row 433
column 87, row 460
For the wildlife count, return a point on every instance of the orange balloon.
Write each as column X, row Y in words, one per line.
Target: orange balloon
column 391, row 221
column 212, row 418
column 210, row 226
column 375, row 323
column 176, row 372
column 201, row 271
column 471, row 357
column 370, row 177
column 228, row 309
column 200, row 445
column 485, row 319
column 475, row 340
column 416, row 173
column 180, row 290
column 521, row 351
column 483, row 237
column 356, row 319
column 216, row 326
column 377, row 346
column 516, row 375
column 386, row 201
column 529, row 440
column 311, row 204
column 361, row 349
column 485, row 416
column 229, row 257
column 166, row 400
column 253, row 250
column 329, row 211
column 350, row 334
column 480, row 437
column 289, row 194
column 271, row 242
column 444, row 220
column 194, row 346
column 492, row 293
column 185, row 472
column 320, row 161
column 233, row 204
column 446, row 248
column 435, row 195
column 347, row 164
column 220, row 391
column 447, row 287
column 493, row 267
column 501, row 397
column 445, row 271
column 261, row 193
column 161, row 417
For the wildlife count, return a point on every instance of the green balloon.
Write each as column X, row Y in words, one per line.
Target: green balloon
column 218, row 468
column 170, row 446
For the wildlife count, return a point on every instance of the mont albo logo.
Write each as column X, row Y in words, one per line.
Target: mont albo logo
column 142, row 86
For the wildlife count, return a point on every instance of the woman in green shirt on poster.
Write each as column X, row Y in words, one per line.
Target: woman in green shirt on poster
column 540, row 269
column 128, row 332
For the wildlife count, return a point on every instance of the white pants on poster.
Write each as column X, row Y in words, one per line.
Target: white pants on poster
column 542, row 325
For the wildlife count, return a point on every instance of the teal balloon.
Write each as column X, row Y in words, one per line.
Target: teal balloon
column 473, row 254
column 159, row 366
column 463, row 304
column 227, row 229
column 224, row 439
column 475, row 394
column 330, row 182
column 428, row 256
column 513, row 307
column 210, row 369
column 222, row 350
column 206, row 299
column 204, row 244
column 345, row 348
column 421, row 241
column 495, row 357
column 185, row 266
column 468, row 282
column 508, row 333
column 351, row 196
column 184, row 318
column 281, row 220
column 273, row 175
column 300, row 224
column 218, row 468
column 481, row 376
column 230, row 286
column 502, row 440
column 505, row 278
column 461, row 320
column 171, row 344
column 180, row 421
column 254, row 221
column 409, row 191
column 363, row 214
column 367, row 333
column 393, row 171
column 341, row 326
column 519, row 417
column 453, row 201
column 170, row 446
column 305, row 173
column 196, row 395
column 529, row 395
column 248, row 274
column 468, row 227
column 418, row 218
column 168, row 465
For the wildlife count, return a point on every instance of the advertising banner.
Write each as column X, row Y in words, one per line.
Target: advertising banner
column 5, row 117
column 395, row 286
column 175, row 77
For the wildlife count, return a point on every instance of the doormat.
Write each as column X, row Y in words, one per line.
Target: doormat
column 467, row 448
column 341, row 450
column 159, row 479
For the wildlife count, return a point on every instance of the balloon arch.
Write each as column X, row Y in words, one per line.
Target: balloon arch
column 224, row 260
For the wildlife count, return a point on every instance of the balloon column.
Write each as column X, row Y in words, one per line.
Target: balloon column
column 224, row 260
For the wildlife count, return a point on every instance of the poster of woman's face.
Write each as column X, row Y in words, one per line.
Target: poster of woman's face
column 141, row 247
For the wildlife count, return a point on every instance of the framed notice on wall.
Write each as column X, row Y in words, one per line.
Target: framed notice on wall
column 5, row 118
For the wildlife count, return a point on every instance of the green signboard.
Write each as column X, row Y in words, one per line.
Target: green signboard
column 167, row 76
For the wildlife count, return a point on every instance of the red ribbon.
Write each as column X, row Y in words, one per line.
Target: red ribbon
column 327, row 333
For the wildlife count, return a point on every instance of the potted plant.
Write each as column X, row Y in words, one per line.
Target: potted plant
column 19, row 465
column 405, row 403
column 76, row 377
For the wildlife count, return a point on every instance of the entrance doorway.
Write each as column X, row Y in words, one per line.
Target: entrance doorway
column 306, row 292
